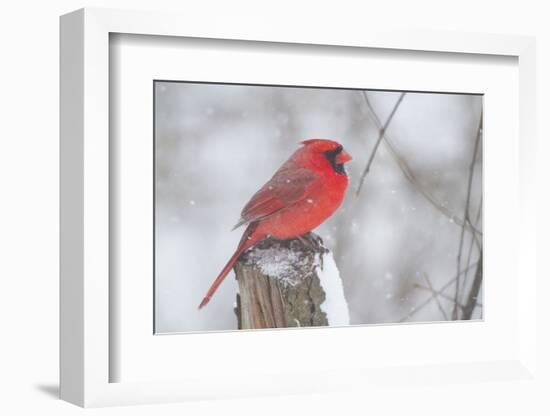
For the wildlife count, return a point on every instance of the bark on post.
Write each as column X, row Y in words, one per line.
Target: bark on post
column 280, row 286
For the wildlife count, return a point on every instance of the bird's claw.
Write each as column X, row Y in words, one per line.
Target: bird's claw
column 312, row 241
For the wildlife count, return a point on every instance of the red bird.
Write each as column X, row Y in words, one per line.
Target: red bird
column 300, row 196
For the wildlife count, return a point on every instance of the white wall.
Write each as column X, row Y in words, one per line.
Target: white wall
column 29, row 173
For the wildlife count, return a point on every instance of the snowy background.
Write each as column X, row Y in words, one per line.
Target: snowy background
column 217, row 144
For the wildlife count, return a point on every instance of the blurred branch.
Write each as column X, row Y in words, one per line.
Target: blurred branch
column 470, row 249
column 428, row 300
column 435, row 296
column 409, row 174
column 471, row 302
column 466, row 215
column 380, row 137
column 442, row 295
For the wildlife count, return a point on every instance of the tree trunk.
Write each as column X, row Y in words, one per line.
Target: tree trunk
column 280, row 286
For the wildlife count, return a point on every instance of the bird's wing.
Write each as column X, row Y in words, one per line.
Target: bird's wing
column 288, row 186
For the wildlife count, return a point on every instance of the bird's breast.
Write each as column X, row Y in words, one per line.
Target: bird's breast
column 308, row 213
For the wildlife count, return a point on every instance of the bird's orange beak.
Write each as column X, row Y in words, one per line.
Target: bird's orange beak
column 343, row 157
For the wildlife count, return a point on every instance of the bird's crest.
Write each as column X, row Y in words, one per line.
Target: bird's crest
column 322, row 145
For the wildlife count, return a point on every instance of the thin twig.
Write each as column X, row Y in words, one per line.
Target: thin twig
column 380, row 137
column 441, row 294
column 409, row 174
column 466, row 214
column 428, row 300
column 474, row 290
column 434, row 295
column 470, row 249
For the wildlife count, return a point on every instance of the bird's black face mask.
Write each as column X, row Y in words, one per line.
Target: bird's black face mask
column 331, row 157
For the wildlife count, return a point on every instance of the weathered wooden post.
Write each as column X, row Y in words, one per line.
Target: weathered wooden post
column 289, row 284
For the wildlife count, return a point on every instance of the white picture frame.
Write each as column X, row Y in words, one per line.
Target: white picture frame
column 86, row 356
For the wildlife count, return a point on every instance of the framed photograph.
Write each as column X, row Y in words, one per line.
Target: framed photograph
column 366, row 180
column 216, row 144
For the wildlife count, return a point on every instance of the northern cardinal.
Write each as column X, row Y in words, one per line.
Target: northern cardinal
column 301, row 195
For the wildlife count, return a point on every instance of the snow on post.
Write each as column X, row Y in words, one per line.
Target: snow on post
column 289, row 283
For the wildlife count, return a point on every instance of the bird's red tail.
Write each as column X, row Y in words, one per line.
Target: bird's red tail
column 248, row 240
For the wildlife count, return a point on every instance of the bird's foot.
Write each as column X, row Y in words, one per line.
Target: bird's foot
column 312, row 241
